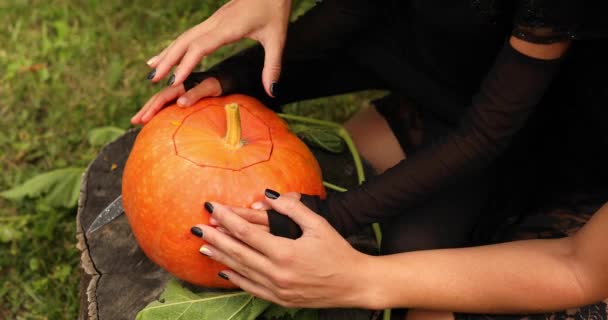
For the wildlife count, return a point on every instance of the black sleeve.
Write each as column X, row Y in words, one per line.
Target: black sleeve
column 507, row 96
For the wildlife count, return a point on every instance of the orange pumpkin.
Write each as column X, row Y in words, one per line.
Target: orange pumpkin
column 227, row 149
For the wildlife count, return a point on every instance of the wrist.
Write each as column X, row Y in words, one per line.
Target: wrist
column 366, row 290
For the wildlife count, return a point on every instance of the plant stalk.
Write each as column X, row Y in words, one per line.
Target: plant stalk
column 233, row 126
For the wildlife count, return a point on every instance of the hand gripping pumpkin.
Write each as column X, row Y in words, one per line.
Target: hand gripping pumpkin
column 227, row 149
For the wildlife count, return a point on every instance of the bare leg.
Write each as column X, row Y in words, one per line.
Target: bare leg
column 419, row 314
column 374, row 139
column 377, row 144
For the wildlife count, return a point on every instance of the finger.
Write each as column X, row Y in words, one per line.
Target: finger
column 295, row 195
column 273, row 52
column 233, row 252
column 155, row 105
column 210, row 87
column 214, row 222
column 262, row 205
column 252, row 287
column 174, row 53
column 136, row 119
column 246, row 232
column 253, row 216
column 226, row 259
column 154, row 61
column 181, row 42
column 259, row 205
column 294, row 209
column 191, row 58
column 196, row 50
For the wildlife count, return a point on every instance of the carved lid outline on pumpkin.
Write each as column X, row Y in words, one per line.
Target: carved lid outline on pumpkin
column 201, row 133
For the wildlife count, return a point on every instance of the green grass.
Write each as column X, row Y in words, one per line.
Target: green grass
column 67, row 67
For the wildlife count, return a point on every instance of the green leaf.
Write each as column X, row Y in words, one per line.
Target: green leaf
column 9, row 233
column 104, row 135
column 276, row 312
column 177, row 302
column 61, row 187
column 322, row 137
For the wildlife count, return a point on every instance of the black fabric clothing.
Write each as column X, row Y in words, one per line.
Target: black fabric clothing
column 508, row 95
column 436, row 53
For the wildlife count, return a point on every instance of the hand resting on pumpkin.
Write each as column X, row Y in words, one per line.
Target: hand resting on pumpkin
column 320, row 269
column 308, row 271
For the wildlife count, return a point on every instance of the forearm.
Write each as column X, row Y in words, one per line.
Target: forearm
column 516, row 277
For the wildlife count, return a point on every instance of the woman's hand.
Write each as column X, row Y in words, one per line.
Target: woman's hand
column 262, row 20
column 319, row 269
column 209, row 87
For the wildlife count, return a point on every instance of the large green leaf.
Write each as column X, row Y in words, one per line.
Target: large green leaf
column 57, row 188
column 181, row 303
column 104, row 135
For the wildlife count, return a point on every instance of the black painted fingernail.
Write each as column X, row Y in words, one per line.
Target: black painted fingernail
column 171, row 80
column 271, row 194
column 209, row 207
column 223, row 276
column 197, row 231
column 274, row 88
column 151, row 74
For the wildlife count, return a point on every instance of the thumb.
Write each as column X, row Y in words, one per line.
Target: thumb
column 273, row 53
column 294, row 209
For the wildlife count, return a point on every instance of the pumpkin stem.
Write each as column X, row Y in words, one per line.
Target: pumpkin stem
column 233, row 126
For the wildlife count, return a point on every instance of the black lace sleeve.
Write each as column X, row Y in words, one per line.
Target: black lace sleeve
column 507, row 96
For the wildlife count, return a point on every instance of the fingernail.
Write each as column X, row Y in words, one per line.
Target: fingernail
column 209, row 207
column 271, row 194
column 274, row 87
column 152, row 60
column 257, row 206
column 151, row 75
column 205, row 251
column 223, row 276
column 197, row 231
column 171, row 80
column 183, row 102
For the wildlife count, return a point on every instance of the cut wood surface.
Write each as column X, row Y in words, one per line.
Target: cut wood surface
column 118, row 280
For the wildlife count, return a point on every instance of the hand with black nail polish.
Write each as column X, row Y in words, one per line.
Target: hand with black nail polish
column 262, row 20
column 319, row 269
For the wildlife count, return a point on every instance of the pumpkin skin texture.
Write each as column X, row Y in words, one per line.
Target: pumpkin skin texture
column 181, row 159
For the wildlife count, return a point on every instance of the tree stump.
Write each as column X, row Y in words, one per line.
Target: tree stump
column 117, row 279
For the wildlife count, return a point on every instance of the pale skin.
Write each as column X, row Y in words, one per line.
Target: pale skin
column 523, row 276
column 514, row 277
column 262, row 20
